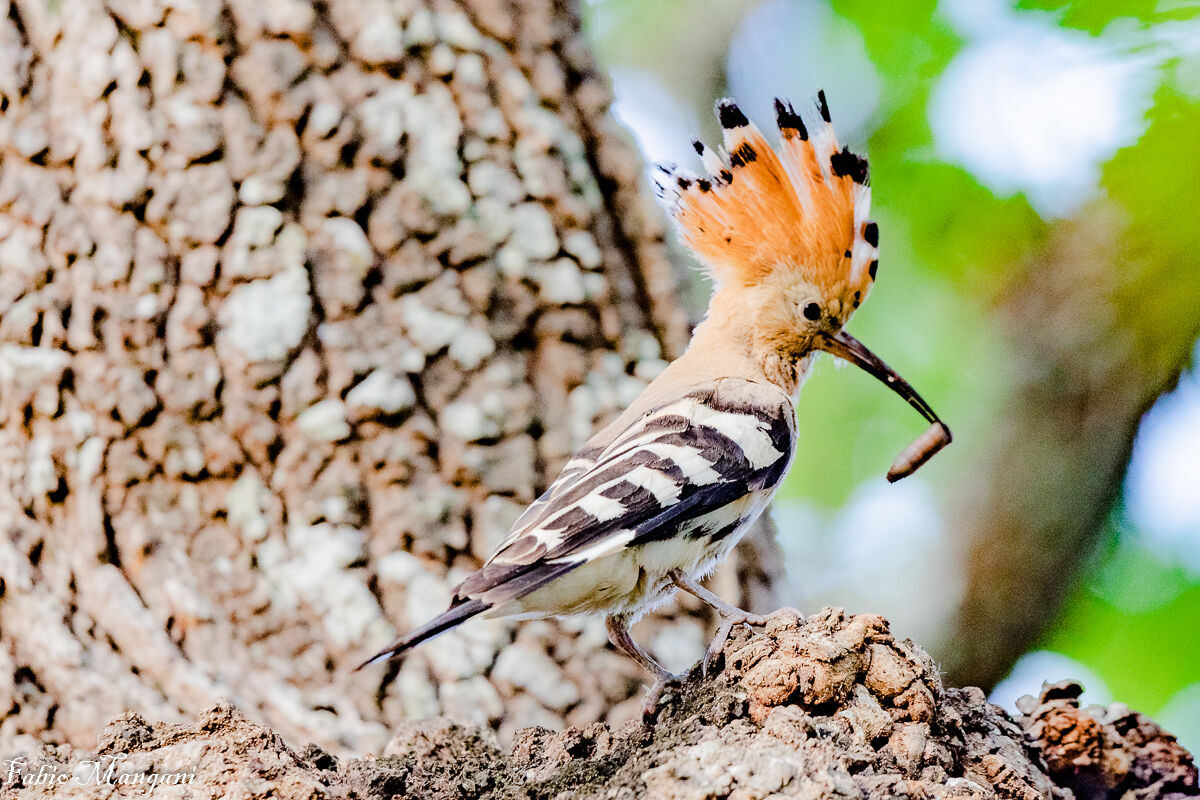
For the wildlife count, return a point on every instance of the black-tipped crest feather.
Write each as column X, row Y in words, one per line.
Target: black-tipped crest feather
column 845, row 163
column 730, row 115
column 823, row 106
column 788, row 120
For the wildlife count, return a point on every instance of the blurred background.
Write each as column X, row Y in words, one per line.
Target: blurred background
column 1035, row 171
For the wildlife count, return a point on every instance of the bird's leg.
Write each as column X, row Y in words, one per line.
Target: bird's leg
column 728, row 611
column 730, row 615
column 618, row 634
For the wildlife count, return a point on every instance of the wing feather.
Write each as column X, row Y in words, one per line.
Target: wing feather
column 679, row 461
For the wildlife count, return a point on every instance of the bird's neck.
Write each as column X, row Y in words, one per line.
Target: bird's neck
column 725, row 345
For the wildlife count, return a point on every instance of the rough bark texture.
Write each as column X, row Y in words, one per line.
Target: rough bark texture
column 831, row 708
column 301, row 303
column 1106, row 752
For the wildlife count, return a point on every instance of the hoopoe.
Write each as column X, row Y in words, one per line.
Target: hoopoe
column 655, row 500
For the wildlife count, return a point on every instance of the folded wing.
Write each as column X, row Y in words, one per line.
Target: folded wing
column 677, row 463
column 657, row 479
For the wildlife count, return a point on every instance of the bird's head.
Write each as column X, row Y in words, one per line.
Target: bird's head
column 784, row 234
column 786, row 238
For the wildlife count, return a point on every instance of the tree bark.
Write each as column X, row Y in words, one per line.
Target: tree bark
column 835, row 707
column 302, row 303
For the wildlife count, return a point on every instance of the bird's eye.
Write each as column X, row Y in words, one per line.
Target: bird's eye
column 812, row 311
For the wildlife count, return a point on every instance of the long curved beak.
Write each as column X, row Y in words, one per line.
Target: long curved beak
column 846, row 347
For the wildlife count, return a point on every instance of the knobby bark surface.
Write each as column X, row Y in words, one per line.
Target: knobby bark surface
column 834, row 707
column 301, row 304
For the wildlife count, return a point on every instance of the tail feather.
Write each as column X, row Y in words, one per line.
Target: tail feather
column 448, row 619
column 496, row 583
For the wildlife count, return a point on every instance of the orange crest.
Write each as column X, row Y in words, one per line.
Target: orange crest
column 758, row 212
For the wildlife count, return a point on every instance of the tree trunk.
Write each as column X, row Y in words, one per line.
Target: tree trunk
column 302, row 303
column 1099, row 330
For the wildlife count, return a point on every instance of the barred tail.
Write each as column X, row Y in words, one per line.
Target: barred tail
column 448, row 619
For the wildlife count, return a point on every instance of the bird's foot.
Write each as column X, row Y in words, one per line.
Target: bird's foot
column 654, row 695
column 738, row 617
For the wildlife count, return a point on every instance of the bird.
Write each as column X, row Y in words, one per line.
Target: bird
column 654, row 501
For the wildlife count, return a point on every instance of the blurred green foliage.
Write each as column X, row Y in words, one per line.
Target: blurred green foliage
column 951, row 248
column 1095, row 15
column 1133, row 622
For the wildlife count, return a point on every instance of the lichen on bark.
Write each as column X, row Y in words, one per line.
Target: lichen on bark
column 301, row 304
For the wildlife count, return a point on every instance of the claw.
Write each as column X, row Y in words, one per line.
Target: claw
column 730, row 615
column 716, row 645
column 650, row 703
column 740, row 618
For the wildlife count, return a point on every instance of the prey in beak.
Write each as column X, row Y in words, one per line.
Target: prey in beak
column 925, row 446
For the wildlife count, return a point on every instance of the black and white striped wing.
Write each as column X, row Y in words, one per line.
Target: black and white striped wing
column 678, row 462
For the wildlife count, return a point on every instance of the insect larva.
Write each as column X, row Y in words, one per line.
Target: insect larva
column 923, row 448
